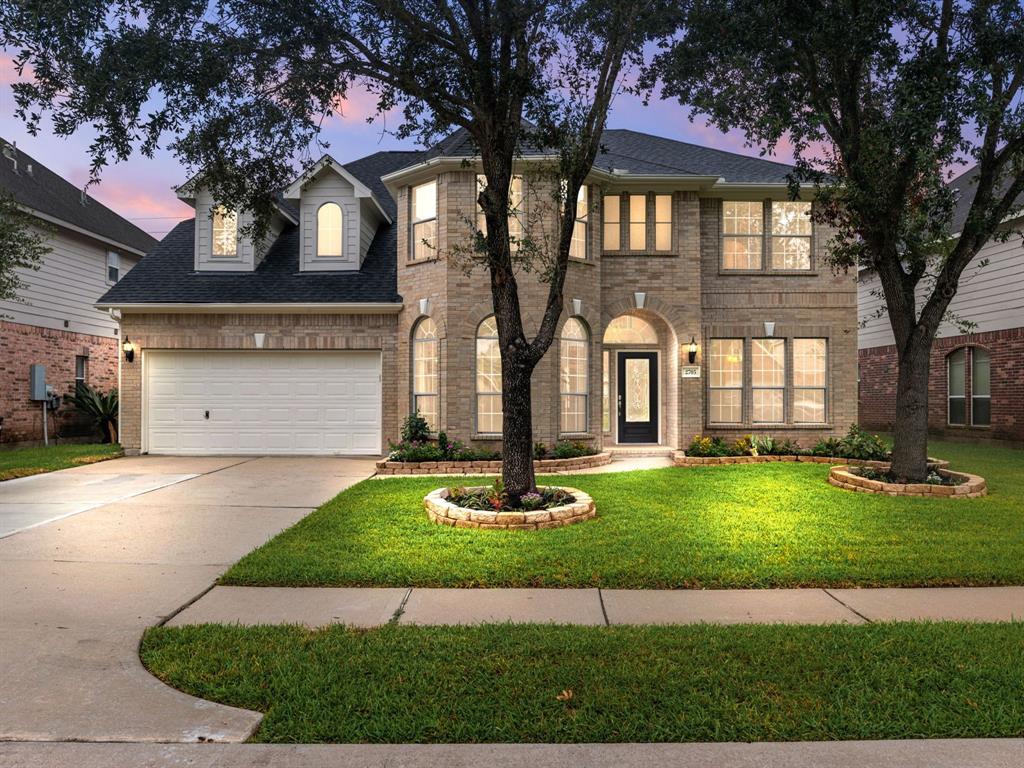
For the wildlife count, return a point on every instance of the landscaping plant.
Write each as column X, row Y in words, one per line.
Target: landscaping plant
column 494, row 498
column 102, row 409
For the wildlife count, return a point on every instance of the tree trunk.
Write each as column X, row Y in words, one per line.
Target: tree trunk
column 517, row 434
column 910, row 439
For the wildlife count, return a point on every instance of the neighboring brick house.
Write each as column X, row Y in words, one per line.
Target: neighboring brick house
column 358, row 308
column 54, row 320
column 976, row 384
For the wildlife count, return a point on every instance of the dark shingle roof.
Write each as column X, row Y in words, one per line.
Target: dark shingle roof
column 167, row 275
column 44, row 191
column 965, row 183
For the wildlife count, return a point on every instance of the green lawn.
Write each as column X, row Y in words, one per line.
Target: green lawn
column 766, row 525
column 501, row 683
column 22, row 462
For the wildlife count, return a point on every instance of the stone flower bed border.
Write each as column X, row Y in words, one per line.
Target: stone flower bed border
column 550, row 466
column 971, row 487
column 680, row 459
column 442, row 511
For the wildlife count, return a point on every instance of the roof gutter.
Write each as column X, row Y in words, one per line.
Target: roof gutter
column 82, row 230
column 336, row 308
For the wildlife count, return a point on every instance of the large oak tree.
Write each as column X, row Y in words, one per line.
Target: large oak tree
column 881, row 98
column 239, row 89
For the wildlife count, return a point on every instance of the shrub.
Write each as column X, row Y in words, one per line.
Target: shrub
column 493, row 498
column 540, row 451
column 102, row 409
column 859, row 444
column 744, row 446
column 565, row 449
column 415, row 429
column 830, row 446
column 702, row 445
column 442, row 449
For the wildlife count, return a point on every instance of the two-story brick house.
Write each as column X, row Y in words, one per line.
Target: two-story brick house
column 697, row 301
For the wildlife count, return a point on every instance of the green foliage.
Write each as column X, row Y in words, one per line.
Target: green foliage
column 743, row 446
column 415, row 429
column 22, row 244
column 703, row 445
column 830, row 446
column 102, row 409
column 494, row 498
column 566, row 449
column 859, row 444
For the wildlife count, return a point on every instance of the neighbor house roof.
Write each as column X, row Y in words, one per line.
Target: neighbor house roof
column 965, row 184
column 43, row 192
column 168, row 276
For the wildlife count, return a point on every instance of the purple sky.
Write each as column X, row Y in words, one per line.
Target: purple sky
column 141, row 189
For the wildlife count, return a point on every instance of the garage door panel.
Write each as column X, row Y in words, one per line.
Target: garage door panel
column 325, row 402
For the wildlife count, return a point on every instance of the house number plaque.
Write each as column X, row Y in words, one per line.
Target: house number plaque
column 690, row 372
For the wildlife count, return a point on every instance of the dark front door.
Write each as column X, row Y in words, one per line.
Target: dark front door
column 638, row 397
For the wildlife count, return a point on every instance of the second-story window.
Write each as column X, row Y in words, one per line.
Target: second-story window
column 225, row 232
column 638, row 222
column 612, row 223
column 742, row 234
column 328, row 230
column 578, row 247
column 515, row 204
column 791, row 235
column 424, row 221
column 663, row 222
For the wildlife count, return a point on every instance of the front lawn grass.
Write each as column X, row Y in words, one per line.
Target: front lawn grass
column 760, row 525
column 22, row 462
column 543, row 683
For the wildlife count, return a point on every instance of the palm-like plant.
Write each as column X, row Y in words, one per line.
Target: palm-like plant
column 102, row 409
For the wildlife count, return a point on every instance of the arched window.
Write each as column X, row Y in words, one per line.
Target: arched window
column 488, row 378
column 225, row 232
column 328, row 230
column 956, row 387
column 981, row 387
column 573, row 376
column 629, row 329
column 425, row 372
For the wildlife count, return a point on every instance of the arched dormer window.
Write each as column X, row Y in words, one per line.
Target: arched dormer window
column 425, row 371
column 329, row 230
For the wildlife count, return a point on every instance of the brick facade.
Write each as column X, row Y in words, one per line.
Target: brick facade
column 878, row 373
column 23, row 345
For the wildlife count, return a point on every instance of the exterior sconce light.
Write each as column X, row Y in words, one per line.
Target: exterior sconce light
column 640, row 299
column 769, row 329
column 259, row 338
column 577, row 306
column 692, row 351
column 129, row 350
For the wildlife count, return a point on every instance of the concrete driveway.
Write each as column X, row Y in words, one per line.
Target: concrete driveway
column 76, row 593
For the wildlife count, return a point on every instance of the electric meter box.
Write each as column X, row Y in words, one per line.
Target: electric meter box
column 37, row 382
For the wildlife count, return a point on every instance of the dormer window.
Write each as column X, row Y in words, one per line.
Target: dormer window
column 328, row 230
column 424, row 221
column 225, row 233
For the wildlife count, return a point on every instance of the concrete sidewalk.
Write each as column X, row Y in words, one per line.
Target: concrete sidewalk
column 371, row 607
column 924, row 753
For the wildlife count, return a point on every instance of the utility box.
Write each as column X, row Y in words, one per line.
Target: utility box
column 37, row 382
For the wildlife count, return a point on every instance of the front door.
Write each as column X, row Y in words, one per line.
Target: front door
column 638, row 397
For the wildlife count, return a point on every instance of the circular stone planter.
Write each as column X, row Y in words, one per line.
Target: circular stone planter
column 970, row 487
column 442, row 511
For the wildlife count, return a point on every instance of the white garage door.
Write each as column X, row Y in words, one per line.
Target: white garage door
column 210, row 402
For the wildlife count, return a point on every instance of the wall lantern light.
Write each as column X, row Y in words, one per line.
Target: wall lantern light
column 692, row 351
column 129, row 350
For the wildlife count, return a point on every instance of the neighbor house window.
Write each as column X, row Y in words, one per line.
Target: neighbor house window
column 742, row 234
column 810, row 380
column 663, row 222
column 573, row 362
column 981, row 391
column 725, row 401
column 768, row 380
column 225, row 232
column 425, row 371
column 488, row 378
column 328, row 230
column 81, row 372
column 956, row 375
column 113, row 267
column 791, row 235
column 638, row 222
column 578, row 246
column 424, row 221
column 612, row 223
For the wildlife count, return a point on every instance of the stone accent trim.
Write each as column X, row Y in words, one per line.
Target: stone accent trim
column 972, row 486
column 442, row 511
column 549, row 466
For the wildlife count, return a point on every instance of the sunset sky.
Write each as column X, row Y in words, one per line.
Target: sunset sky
column 141, row 189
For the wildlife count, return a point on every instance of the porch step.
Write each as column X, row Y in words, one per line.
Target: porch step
column 634, row 451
